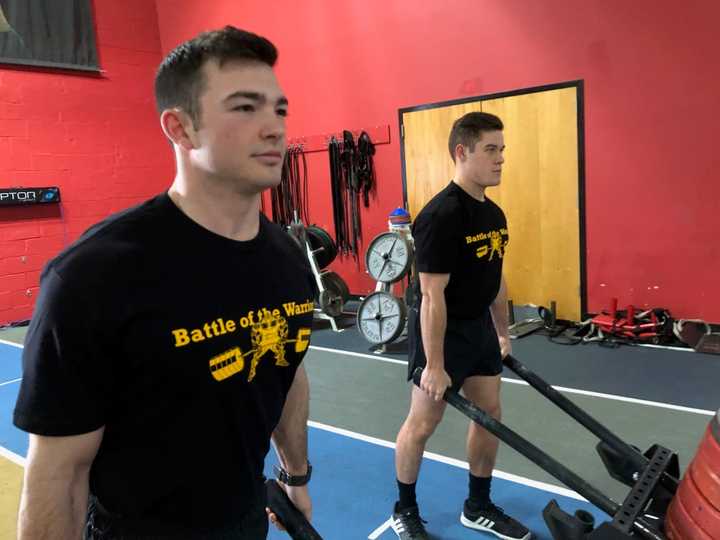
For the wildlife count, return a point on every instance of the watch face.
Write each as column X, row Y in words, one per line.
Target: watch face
column 388, row 258
column 381, row 317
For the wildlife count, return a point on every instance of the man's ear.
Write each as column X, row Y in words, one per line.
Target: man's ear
column 460, row 152
column 178, row 127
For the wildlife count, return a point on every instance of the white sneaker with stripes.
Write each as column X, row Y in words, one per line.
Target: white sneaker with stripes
column 408, row 525
column 495, row 521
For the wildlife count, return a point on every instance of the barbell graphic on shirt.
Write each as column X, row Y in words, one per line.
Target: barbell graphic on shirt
column 268, row 335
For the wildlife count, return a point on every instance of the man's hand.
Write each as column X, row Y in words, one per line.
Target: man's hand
column 505, row 346
column 434, row 382
column 300, row 497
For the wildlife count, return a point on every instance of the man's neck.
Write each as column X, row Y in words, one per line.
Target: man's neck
column 469, row 187
column 219, row 209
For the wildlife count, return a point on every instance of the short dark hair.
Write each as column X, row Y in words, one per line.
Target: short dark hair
column 179, row 81
column 467, row 130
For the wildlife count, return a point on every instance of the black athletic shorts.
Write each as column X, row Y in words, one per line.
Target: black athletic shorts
column 471, row 347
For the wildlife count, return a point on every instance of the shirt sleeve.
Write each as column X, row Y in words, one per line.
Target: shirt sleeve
column 436, row 241
column 67, row 383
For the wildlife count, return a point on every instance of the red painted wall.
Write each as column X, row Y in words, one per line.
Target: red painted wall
column 97, row 137
column 652, row 110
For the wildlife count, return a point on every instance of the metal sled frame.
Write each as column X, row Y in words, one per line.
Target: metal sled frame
column 652, row 476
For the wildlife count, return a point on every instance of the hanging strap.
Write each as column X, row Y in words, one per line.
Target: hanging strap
column 366, row 167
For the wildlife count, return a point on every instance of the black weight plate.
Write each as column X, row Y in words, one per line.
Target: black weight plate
column 328, row 244
column 337, row 284
column 320, row 240
column 332, row 299
column 411, row 293
column 331, row 303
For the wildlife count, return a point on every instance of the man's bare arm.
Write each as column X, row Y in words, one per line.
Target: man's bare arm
column 55, row 490
column 499, row 312
column 433, row 324
column 433, row 317
column 290, row 435
column 290, row 441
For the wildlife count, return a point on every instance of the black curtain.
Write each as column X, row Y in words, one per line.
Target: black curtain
column 54, row 33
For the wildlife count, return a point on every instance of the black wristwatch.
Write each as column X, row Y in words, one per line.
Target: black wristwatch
column 289, row 480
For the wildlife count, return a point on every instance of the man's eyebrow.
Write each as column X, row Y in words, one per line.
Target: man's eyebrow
column 254, row 96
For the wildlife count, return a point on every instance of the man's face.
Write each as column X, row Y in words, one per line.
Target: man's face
column 484, row 164
column 240, row 137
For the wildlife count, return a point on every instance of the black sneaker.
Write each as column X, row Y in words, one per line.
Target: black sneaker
column 408, row 524
column 494, row 520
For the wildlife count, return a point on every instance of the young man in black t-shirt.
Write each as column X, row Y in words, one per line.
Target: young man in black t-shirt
column 164, row 352
column 458, row 327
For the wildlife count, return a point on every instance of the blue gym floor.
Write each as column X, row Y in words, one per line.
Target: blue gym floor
column 351, row 432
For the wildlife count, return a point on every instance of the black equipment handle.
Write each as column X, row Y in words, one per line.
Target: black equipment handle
column 527, row 449
column 637, row 459
column 289, row 516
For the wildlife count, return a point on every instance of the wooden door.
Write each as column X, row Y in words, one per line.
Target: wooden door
column 540, row 189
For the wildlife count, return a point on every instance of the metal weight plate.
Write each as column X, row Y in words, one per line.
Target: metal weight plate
column 315, row 239
column 297, row 232
column 333, row 298
column 389, row 257
column 334, row 282
column 331, row 303
column 411, row 292
column 381, row 317
column 322, row 243
column 329, row 244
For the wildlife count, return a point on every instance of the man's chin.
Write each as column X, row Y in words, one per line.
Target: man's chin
column 271, row 182
column 255, row 184
column 267, row 178
column 491, row 183
column 270, row 176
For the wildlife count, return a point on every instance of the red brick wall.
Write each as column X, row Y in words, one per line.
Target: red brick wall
column 97, row 137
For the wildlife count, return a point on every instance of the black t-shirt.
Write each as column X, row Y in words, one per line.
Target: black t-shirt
column 459, row 235
column 150, row 325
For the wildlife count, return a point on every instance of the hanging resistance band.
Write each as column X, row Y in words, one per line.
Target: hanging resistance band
column 352, row 173
column 290, row 197
column 366, row 168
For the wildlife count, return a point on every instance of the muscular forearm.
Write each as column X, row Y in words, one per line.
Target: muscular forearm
column 290, row 435
column 499, row 311
column 433, row 322
column 53, row 506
